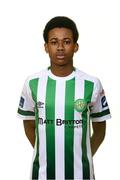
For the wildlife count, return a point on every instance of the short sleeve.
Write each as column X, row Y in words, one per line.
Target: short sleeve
column 99, row 110
column 26, row 103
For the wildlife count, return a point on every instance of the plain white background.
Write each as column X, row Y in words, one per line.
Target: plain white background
column 22, row 54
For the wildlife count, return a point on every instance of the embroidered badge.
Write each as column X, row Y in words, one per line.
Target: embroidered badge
column 80, row 105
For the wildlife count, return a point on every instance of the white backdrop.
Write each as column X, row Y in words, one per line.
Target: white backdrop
column 22, row 54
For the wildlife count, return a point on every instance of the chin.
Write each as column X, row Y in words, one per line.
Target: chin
column 60, row 62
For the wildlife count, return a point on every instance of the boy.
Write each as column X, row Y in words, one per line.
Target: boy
column 57, row 106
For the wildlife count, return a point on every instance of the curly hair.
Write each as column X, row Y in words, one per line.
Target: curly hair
column 61, row 22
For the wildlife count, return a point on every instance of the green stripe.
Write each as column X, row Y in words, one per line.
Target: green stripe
column 50, row 128
column 100, row 114
column 26, row 113
column 34, row 87
column 88, row 90
column 69, row 130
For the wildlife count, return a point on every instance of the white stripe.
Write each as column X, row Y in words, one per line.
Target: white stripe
column 42, row 128
column 59, row 130
column 89, row 153
column 79, row 94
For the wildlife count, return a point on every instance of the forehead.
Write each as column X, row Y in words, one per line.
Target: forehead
column 60, row 33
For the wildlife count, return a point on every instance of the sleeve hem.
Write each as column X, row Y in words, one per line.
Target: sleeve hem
column 100, row 119
column 25, row 117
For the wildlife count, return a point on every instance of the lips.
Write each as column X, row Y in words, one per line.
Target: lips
column 60, row 56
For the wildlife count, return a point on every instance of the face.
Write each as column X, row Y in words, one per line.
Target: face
column 61, row 46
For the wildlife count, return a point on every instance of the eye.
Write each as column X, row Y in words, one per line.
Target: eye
column 53, row 42
column 67, row 42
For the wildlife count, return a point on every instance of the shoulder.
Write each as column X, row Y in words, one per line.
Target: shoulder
column 87, row 77
column 33, row 78
column 90, row 79
column 36, row 75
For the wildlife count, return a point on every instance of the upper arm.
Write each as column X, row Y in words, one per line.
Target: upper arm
column 29, row 127
column 99, row 109
column 99, row 127
column 26, row 104
column 28, row 124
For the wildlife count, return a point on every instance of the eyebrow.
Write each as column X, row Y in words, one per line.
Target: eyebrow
column 67, row 38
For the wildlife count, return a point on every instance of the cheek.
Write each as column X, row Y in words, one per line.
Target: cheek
column 70, row 51
column 51, row 53
column 52, row 50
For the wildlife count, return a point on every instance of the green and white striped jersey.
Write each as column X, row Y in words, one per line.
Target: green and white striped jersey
column 63, row 108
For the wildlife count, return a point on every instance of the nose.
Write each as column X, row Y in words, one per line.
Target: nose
column 60, row 46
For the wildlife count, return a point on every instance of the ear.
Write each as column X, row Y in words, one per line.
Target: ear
column 76, row 47
column 46, row 47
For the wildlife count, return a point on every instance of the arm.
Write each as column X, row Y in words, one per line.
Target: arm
column 29, row 127
column 98, row 135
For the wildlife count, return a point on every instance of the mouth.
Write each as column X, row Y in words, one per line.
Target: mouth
column 60, row 56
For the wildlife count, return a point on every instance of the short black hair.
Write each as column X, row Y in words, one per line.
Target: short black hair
column 61, row 21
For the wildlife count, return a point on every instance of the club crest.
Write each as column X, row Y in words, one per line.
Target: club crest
column 80, row 105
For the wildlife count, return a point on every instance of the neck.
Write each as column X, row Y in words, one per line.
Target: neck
column 61, row 71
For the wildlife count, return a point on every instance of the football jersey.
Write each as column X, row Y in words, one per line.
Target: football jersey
column 63, row 108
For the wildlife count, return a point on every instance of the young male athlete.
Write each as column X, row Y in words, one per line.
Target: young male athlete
column 57, row 106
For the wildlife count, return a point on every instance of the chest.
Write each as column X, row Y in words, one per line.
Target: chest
column 63, row 99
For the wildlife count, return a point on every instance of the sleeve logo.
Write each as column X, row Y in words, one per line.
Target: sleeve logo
column 21, row 104
column 40, row 104
column 104, row 102
column 80, row 105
